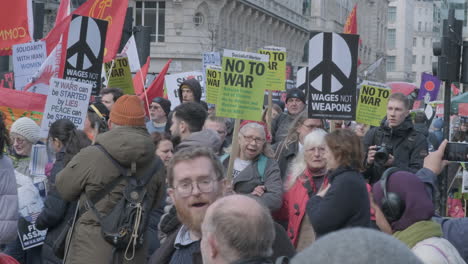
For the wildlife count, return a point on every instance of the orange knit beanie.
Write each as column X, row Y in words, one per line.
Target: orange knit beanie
column 128, row 111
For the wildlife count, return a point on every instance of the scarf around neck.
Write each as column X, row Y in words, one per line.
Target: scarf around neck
column 418, row 232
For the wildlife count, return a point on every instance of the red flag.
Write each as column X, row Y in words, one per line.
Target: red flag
column 14, row 27
column 15, row 104
column 156, row 88
column 111, row 10
column 63, row 11
column 350, row 26
column 140, row 78
column 455, row 89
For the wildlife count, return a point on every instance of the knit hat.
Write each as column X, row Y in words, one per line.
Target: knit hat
column 296, row 93
column 100, row 109
column 164, row 103
column 356, row 246
column 128, row 111
column 27, row 128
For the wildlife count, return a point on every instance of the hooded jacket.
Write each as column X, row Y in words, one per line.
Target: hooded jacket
column 89, row 172
column 206, row 138
column 195, row 86
column 8, row 201
column 408, row 146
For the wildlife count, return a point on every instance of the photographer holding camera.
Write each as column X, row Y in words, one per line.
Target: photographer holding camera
column 395, row 143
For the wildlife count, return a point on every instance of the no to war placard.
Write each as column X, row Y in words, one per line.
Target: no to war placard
column 213, row 78
column 66, row 100
column 242, row 85
column 120, row 75
column 372, row 104
column 276, row 75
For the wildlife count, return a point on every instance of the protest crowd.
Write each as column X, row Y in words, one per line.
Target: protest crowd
column 211, row 172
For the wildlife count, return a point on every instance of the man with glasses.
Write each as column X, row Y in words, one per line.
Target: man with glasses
column 196, row 179
column 159, row 109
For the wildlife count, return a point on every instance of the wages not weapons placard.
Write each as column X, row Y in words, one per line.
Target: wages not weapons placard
column 66, row 100
column 120, row 75
column 276, row 74
column 242, row 85
column 27, row 60
column 372, row 104
column 331, row 79
column 85, row 51
column 213, row 77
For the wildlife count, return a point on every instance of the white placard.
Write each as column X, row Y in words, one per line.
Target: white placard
column 27, row 59
column 173, row 82
column 66, row 100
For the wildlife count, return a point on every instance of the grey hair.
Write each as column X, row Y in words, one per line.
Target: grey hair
column 299, row 165
column 256, row 126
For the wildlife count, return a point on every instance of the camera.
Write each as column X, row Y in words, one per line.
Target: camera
column 381, row 154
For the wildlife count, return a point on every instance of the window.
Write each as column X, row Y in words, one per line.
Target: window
column 152, row 14
column 391, row 14
column 198, row 19
column 415, row 41
column 424, row 42
column 414, row 59
column 391, row 38
column 423, row 60
column 390, row 63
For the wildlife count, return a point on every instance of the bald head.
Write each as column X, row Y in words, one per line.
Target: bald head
column 236, row 227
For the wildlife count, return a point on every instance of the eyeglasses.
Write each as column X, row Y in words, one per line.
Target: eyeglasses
column 185, row 189
column 18, row 140
column 256, row 140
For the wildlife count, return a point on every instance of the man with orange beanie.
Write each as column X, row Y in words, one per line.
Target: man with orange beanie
column 91, row 171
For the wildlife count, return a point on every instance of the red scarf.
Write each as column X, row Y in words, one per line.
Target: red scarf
column 310, row 174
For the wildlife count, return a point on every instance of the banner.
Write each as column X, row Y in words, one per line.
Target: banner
column 27, row 60
column 130, row 51
column 31, row 195
column 276, row 74
column 85, row 51
column 173, row 81
column 242, row 85
column 7, row 80
column 332, row 74
column 440, row 110
column 277, row 97
column 119, row 76
column 66, row 100
column 14, row 26
column 213, row 77
column 16, row 104
column 372, row 105
column 463, row 109
column 430, row 86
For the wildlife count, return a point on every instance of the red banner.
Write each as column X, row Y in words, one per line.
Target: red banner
column 14, row 27
column 15, row 104
column 440, row 110
column 463, row 109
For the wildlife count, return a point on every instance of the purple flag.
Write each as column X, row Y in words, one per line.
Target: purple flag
column 429, row 85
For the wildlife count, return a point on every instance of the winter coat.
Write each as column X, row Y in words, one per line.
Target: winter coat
column 248, row 179
column 408, row 146
column 55, row 214
column 195, row 86
column 206, row 138
column 285, row 155
column 346, row 203
column 455, row 230
column 89, row 172
column 436, row 250
column 280, row 126
column 8, row 201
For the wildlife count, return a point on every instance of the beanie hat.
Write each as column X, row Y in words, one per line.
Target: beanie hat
column 27, row 128
column 128, row 111
column 164, row 103
column 348, row 246
column 296, row 93
column 100, row 109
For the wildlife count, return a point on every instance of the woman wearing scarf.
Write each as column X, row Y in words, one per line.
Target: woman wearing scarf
column 412, row 224
column 307, row 175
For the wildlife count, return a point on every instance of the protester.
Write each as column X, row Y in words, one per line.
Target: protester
column 344, row 202
column 91, row 171
column 234, row 233
column 191, row 166
column 306, row 177
column 66, row 141
column 164, row 146
column 356, row 246
column 360, row 129
column 96, row 120
column 158, row 110
column 287, row 149
column 408, row 209
column 218, row 124
column 8, row 191
column 396, row 140
column 275, row 111
column 255, row 172
column 437, row 126
column 295, row 103
column 110, row 96
column 420, row 124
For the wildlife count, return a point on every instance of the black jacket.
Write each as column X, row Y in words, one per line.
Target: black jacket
column 346, row 203
column 285, row 154
column 55, row 215
column 408, row 146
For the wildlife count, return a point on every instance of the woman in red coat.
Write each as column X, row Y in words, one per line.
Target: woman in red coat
column 307, row 175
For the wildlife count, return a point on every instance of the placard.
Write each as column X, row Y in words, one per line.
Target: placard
column 27, row 60
column 173, row 81
column 372, row 105
column 120, row 75
column 276, row 75
column 66, row 100
column 213, row 77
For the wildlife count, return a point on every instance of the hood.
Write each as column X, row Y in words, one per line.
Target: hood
column 206, row 138
column 196, row 89
column 128, row 144
column 400, row 130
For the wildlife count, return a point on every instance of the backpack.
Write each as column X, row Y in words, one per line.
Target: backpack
column 261, row 165
column 125, row 224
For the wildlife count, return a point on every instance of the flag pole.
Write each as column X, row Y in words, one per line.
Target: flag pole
column 144, row 90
